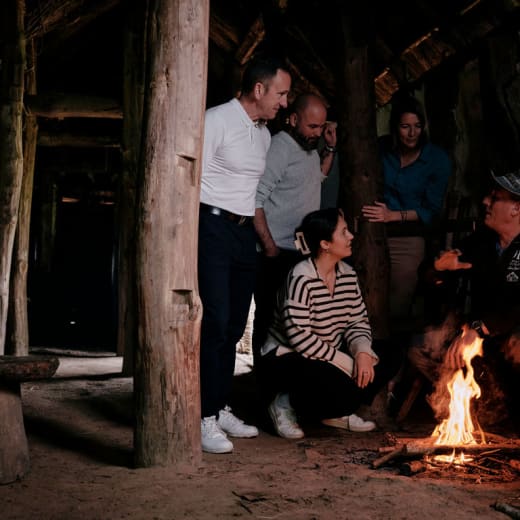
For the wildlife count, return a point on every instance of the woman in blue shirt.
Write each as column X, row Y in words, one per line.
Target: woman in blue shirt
column 416, row 174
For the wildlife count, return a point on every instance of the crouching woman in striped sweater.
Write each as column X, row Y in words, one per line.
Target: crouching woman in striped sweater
column 318, row 361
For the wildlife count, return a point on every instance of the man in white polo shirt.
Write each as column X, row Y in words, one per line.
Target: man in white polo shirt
column 236, row 141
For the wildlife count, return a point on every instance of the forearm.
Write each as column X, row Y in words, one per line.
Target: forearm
column 327, row 159
column 263, row 232
column 407, row 215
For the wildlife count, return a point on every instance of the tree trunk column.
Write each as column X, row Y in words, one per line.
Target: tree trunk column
column 361, row 178
column 14, row 450
column 167, row 362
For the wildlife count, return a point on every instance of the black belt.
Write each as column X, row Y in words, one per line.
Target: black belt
column 241, row 220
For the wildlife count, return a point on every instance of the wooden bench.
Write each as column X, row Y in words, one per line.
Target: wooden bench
column 14, row 370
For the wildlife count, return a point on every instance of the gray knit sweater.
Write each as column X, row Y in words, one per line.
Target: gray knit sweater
column 290, row 187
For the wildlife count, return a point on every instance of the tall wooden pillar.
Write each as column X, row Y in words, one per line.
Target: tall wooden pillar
column 12, row 55
column 133, row 98
column 18, row 322
column 361, row 178
column 167, row 362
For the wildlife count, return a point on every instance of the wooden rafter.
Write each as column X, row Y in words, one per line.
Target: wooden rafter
column 253, row 38
column 66, row 15
column 61, row 106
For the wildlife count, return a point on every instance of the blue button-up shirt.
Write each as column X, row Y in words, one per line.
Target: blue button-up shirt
column 420, row 186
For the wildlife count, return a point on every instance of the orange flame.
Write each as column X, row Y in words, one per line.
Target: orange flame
column 458, row 428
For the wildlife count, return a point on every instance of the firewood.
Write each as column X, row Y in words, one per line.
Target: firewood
column 412, row 467
column 397, row 452
column 512, row 511
column 420, row 447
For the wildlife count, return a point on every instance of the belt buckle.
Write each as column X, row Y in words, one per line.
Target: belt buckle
column 242, row 220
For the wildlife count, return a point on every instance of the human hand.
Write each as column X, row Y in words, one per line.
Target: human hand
column 363, row 369
column 449, row 261
column 455, row 354
column 329, row 133
column 376, row 213
column 272, row 250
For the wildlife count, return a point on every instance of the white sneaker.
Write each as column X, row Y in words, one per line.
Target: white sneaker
column 234, row 426
column 284, row 418
column 352, row 423
column 213, row 439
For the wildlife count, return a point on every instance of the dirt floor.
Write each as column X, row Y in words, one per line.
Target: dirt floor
column 79, row 426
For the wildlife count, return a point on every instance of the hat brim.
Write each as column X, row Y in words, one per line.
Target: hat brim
column 510, row 181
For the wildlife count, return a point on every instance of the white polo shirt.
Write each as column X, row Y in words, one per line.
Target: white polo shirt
column 233, row 160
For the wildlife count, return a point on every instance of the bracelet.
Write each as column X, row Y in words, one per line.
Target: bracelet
column 331, row 149
column 478, row 327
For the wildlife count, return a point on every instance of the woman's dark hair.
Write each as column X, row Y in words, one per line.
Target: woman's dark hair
column 403, row 105
column 261, row 69
column 317, row 226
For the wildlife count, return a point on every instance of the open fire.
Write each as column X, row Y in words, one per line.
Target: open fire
column 458, row 428
column 459, row 434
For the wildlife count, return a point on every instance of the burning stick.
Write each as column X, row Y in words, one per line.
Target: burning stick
column 425, row 447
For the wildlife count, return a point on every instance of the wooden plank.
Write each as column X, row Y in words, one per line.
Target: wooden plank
column 27, row 368
column 60, row 106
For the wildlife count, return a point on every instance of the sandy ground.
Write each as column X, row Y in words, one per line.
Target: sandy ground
column 79, row 426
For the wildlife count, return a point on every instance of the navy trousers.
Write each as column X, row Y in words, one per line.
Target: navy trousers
column 227, row 271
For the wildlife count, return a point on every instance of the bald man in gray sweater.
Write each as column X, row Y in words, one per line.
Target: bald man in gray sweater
column 289, row 189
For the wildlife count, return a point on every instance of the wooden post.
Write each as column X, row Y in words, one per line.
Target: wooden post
column 500, row 88
column 12, row 55
column 361, row 178
column 18, row 322
column 14, row 451
column 167, row 363
column 133, row 97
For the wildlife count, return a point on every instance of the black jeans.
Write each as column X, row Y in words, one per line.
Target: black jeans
column 227, row 268
column 319, row 390
column 271, row 275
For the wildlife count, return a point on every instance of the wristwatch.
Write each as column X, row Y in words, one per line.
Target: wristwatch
column 478, row 327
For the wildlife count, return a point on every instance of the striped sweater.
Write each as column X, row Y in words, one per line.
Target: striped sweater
column 318, row 325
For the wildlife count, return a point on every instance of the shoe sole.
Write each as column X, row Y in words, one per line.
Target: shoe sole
column 217, row 451
column 335, row 423
column 239, row 436
column 272, row 414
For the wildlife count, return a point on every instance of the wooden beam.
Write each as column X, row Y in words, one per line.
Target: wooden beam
column 310, row 65
column 222, row 34
column 253, row 38
column 77, row 141
column 61, row 106
column 66, row 15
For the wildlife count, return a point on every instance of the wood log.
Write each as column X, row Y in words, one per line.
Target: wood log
column 78, row 141
column 167, row 428
column 61, row 106
column 512, row 511
column 27, row 368
column 412, row 468
column 18, row 320
column 133, row 99
column 361, row 175
column 426, row 447
column 14, row 451
column 12, row 56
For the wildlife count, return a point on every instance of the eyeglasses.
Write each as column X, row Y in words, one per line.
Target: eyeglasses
column 499, row 197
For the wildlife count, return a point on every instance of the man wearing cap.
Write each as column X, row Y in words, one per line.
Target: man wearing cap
column 489, row 259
